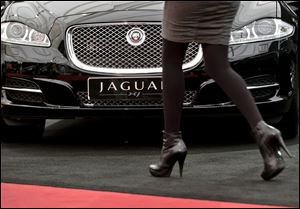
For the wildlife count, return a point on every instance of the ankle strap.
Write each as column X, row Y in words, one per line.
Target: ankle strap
column 172, row 134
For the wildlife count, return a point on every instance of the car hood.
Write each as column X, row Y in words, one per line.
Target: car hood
column 46, row 15
column 67, row 8
column 41, row 15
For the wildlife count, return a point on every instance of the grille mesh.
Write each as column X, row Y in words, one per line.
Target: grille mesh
column 261, row 80
column 263, row 94
column 20, row 83
column 106, row 46
column 213, row 94
column 83, row 97
column 25, row 97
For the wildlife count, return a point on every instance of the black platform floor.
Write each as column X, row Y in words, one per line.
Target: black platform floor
column 95, row 155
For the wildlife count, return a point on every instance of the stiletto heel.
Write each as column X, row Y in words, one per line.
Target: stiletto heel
column 181, row 160
column 283, row 146
column 270, row 141
column 173, row 150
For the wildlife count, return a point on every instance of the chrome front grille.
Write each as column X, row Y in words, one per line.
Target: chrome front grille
column 103, row 48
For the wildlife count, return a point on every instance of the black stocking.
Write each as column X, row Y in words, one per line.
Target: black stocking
column 217, row 66
column 173, row 83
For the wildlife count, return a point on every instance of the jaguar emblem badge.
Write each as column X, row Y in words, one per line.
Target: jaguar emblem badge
column 136, row 37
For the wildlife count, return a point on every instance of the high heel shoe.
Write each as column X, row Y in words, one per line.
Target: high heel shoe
column 173, row 150
column 270, row 141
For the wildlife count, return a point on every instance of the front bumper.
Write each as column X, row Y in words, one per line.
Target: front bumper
column 272, row 111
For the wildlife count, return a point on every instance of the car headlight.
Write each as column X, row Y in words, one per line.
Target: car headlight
column 261, row 30
column 18, row 33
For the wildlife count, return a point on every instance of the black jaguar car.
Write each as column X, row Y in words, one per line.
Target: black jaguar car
column 62, row 59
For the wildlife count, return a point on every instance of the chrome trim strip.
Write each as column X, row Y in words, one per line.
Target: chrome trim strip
column 263, row 87
column 23, row 90
column 274, row 85
column 4, row 99
column 84, row 67
column 208, row 82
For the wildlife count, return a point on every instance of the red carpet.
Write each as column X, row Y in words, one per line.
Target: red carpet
column 28, row 196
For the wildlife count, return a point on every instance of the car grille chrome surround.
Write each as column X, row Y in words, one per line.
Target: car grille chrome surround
column 103, row 48
column 85, row 102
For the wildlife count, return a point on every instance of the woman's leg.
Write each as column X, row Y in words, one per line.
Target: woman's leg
column 218, row 67
column 173, row 149
column 173, row 83
column 268, row 138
